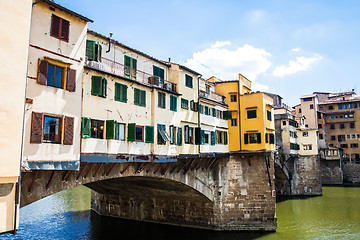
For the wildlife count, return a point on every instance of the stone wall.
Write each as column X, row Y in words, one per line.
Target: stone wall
column 331, row 172
column 351, row 172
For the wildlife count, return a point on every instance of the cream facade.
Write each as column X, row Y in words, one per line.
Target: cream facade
column 53, row 96
column 15, row 30
column 308, row 141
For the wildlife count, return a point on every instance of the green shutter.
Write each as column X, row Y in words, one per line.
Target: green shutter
column 162, row 73
column 149, row 134
column 86, row 127
column 202, row 132
column 134, row 67
column 123, row 91
column 197, row 136
column 258, row 136
column 104, row 87
column 90, row 46
column 127, row 61
column 96, row 85
column 173, row 103
column 99, row 53
column 155, row 71
column 110, row 129
column 131, row 132
column 117, row 92
column 179, row 136
column 212, row 138
column 214, row 112
column 246, row 138
column 225, row 138
column 142, row 98
column 227, row 115
column 136, row 96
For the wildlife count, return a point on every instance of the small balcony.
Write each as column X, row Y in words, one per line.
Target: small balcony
column 120, row 70
column 213, row 96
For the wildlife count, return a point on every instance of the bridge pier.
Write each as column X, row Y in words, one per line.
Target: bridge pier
column 240, row 195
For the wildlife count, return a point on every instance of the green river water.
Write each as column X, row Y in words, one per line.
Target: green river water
column 67, row 215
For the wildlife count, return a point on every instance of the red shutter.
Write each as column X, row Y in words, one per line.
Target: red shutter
column 71, row 80
column 55, row 26
column 42, row 72
column 36, row 127
column 68, row 130
column 65, row 29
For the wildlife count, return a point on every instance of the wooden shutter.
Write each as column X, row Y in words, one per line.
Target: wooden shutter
column 149, row 134
column 110, row 129
column 71, row 80
column 55, row 26
column 143, row 98
column 227, row 115
column 162, row 73
column 272, row 138
column 246, row 138
column 37, row 124
column 136, row 96
column 103, row 87
column 225, row 138
column 179, row 136
column 117, row 92
column 42, row 72
column 214, row 112
column 131, row 132
column 99, row 52
column 123, row 92
column 186, row 133
column 90, row 48
column 197, row 136
column 65, row 29
column 68, row 130
column 202, row 137
column 96, row 85
column 86, row 127
column 173, row 103
column 155, row 71
column 258, row 136
column 212, row 138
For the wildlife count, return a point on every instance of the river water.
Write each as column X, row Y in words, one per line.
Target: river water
column 67, row 215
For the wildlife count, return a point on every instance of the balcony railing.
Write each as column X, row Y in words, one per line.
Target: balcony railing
column 213, row 96
column 118, row 69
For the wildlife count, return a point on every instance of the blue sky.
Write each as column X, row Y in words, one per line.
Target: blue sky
column 290, row 48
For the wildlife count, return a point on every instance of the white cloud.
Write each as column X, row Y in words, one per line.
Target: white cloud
column 225, row 63
column 256, row 16
column 295, row 50
column 300, row 64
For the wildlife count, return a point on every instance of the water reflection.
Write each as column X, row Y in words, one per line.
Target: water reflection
column 66, row 215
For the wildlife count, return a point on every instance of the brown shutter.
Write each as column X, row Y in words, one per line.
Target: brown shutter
column 36, row 127
column 55, row 26
column 71, row 80
column 42, row 72
column 68, row 130
column 65, row 29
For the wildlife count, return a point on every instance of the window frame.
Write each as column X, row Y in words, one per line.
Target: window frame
column 250, row 114
column 99, row 133
column 161, row 100
column 184, row 104
column 60, row 29
column 188, row 81
column 59, row 129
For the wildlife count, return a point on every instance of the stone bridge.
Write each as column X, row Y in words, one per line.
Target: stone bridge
column 234, row 192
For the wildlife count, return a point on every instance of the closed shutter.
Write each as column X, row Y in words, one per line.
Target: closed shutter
column 272, row 138
column 42, row 72
column 246, row 138
column 149, row 134
column 155, row 71
column 173, row 103
column 136, row 96
column 131, row 132
column 104, row 87
column 142, row 98
column 68, row 130
column 55, row 26
column 123, row 97
column 110, row 129
column 90, row 48
column 186, row 133
column 212, row 138
column 266, row 138
column 65, row 29
column 258, row 136
column 225, row 138
column 99, row 52
column 202, row 132
column 227, row 115
column 117, row 91
column 71, row 80
column 127, row 61
column 197, row 136
column 179, row 136
column 37, row 127
column 86, row 127
column 134, row 67
column 96, row 85
column 214, row 112
column 162, row 73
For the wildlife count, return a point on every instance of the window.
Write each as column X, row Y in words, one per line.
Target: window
column 306, row 125
column 252, row 138
column 299, row 110
column 294, row 146
column 358, row 136
column 219, row 137
column 139, row 97
column 98, row 86
column 214, row 112
column 188, row 134
column 159, row 72
column 343, row 145
column 311, row 106
column 206, row 110
column 321, row 136
column 268, row 114
column 307, row 147
column 353, row 136
column 354, row 145
column 52, row 129
column 332, row 117
column 305, row 134
column 352, row 125
column 206, row 137
column 355, row 105
column 184, row 103
column 331, row 107
column 351, row 115
column 341, row 138
column 333, row 138
column 272, row 138
column 284, row 123
column 342, row 125
column 173, row 103
column 332, row 126
column 93, row 51
column 179, row 136
column 207, row 87
column 54, row 76
column 188, row 81
column 251, row 114
column 130, row 65
column 309, row 99
column 161, row 100
column 226, row 115
column 321, row 108
column 340, row 106
column 234, row 122
column 139, row 134
column 162, row 136
column 172, row 134
column 120, row 92
column 193, row 105
column 97, row 129
column 120, row 132
column 233, row 98
column 320, row 126
column 59, row 28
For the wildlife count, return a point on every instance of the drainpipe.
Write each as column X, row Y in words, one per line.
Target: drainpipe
column 110, row 44
column 239, row 117
column 199, row 124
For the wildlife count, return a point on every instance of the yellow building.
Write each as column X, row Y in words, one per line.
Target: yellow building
column 15, row 29
column 251, row 118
